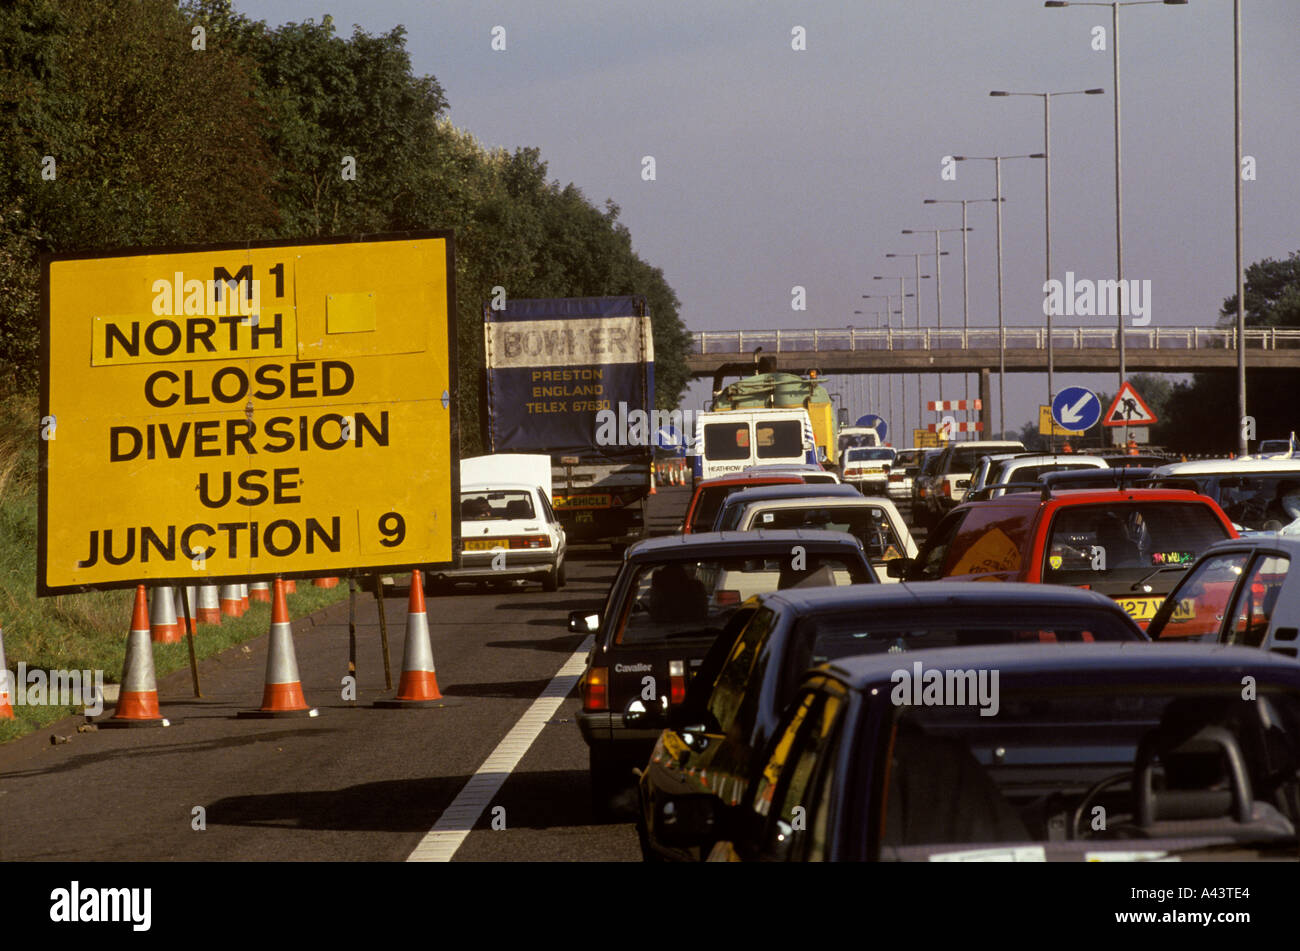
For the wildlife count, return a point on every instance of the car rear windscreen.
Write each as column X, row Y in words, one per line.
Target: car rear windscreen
column 1090, row 544
column 870, row 524
column 695, row 598
column 478, row 506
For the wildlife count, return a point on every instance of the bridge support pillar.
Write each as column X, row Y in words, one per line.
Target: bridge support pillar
column 986, row 401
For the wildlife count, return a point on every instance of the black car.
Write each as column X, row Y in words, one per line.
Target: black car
column 672, row 598
column 922, row 486
column 1125, row 752
column 715, row 738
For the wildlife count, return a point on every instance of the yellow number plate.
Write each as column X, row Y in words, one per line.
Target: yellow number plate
column 1141, row 609
column 482, row 544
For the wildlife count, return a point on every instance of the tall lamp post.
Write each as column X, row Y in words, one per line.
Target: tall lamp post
column 1002, row 334
column 938, row 279
column 1047, row 204
column 889, row 322
column 1119, row 190
column 965, row 261
column 902, row 325
column 919, row 277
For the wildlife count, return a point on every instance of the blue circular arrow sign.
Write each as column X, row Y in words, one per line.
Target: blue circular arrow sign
column 1076, row 408
column 872, row 421
column 668, row 438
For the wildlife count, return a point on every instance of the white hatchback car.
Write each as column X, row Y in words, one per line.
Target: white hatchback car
column 1022, row 469
column 508, row 530
column 873, row 521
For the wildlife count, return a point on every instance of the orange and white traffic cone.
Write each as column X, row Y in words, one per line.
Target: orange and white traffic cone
column 259, row 591
column 326, row 582
column 137, row 699
column 282, row 696
column 419, row 684
column 231, row 604
column 653, row 470
column 6, row 709
column 291, row 586
column 243, row 599
column 209, row 609
column 180, row 609
column 162, row 616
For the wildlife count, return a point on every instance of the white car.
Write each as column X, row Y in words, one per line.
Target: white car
column 873, row 521
column 1258, row 495
column 1021, row 468
column 906, row 463
column 808, row 472
column 867, row 468
column 508, row 530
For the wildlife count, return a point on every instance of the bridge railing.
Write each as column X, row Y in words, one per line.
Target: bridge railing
column 1012, row 338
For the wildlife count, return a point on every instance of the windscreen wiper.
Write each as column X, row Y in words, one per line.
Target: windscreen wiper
column 1145, row 578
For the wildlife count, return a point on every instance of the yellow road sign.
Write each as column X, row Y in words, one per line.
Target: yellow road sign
column 924, row 439
column 244, row 411
column 1049, row 427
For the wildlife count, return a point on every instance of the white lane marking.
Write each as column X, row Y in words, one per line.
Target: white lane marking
column 454, row 825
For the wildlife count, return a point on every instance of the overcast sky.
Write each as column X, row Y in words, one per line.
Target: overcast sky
column 777, row 167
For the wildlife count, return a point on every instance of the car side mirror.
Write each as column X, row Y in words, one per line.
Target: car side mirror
column 584, row 622
column 898, row 567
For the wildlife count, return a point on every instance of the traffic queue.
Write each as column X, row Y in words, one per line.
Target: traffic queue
column 756, row 692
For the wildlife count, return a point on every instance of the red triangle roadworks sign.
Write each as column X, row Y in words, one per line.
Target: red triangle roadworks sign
column 1129, row 409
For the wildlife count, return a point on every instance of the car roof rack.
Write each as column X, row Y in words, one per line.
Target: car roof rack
column 985, row 492
column 1119, row 477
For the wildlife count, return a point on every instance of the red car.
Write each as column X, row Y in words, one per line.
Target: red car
column 1130, row 544
column 709, row 495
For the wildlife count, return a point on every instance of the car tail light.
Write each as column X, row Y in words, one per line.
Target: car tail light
column 530, row 541
column 595, row 689
column 896, row 477
column 854, row 472
column 726, row 596
column 1085, row 587
column 922, row 492
column 676, row 681
column 947, row 489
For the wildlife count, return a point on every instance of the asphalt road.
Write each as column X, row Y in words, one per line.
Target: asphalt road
column 355, row 783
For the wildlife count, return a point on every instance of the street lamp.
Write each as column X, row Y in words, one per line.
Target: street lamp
column 1002, row 336
column 965, row 283
column 938, row 279
column 916, row 260
column 1119, row 191
column 889, row 322
column 1047, row 202
column 902, row 325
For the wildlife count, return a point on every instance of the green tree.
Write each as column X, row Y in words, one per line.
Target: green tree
column 1202, row 413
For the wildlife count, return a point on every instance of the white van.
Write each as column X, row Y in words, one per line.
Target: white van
column 730, row 441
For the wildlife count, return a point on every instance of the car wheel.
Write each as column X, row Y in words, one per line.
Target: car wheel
column 551, row 580
column 560, row 578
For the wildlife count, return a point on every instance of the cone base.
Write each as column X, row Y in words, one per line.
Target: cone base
column 275, row 714
column 396, row 704
column 167, row 636
column 6, row 712
column 109, row 723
